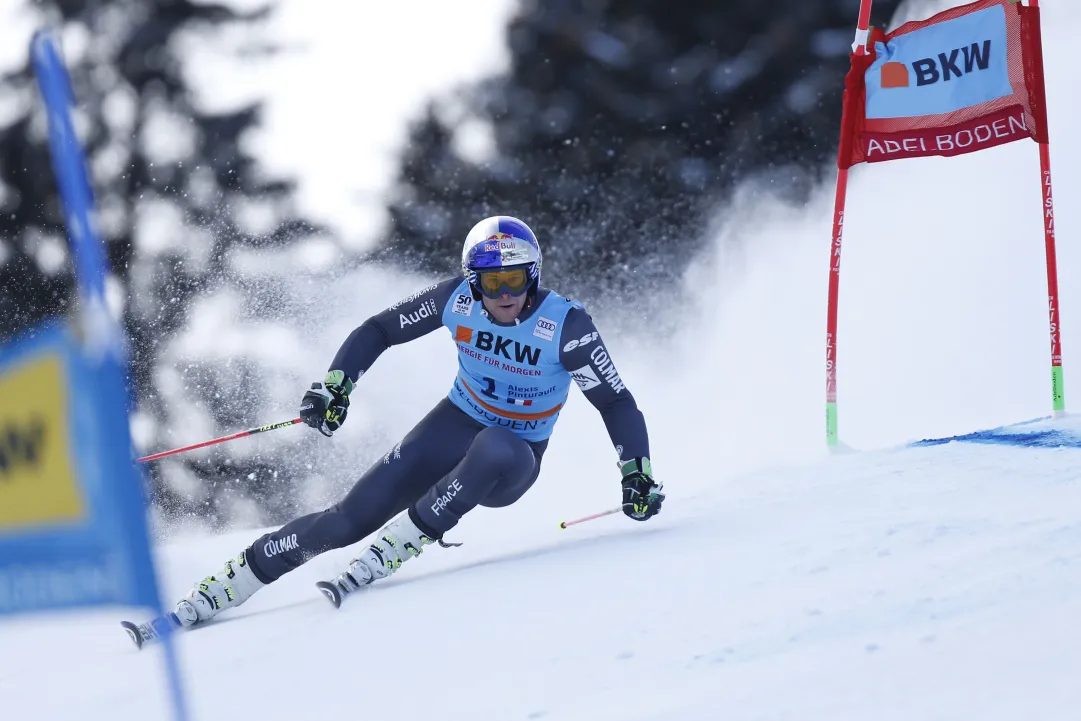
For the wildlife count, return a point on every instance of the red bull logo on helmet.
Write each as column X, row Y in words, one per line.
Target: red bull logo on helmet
column 501, row 244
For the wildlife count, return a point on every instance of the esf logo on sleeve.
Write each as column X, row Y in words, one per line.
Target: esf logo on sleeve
column 940, row 68
column 38, row 485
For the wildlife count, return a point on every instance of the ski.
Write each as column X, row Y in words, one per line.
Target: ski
column 151, row 631
column 339, row 588
column 333, row 591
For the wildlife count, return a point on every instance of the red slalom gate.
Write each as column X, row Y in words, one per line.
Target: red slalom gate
column 860, row 46
column 879, row 136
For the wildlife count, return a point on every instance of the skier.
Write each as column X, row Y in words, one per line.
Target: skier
column 519, row 347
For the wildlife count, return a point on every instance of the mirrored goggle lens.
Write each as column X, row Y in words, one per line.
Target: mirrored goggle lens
column 495, row 283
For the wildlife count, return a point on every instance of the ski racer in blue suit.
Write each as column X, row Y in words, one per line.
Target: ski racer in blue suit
column 520, row 347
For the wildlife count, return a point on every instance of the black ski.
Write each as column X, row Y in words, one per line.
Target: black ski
column 151, row 631
column 334, row 592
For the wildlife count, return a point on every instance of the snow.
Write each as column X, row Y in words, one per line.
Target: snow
column 895, row 582
column 912, row 583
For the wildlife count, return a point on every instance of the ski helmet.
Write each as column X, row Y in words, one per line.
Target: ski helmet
column 494, row 248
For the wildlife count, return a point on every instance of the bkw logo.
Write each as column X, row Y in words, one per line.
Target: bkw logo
column 498, row 345
column 20, row 446
column 928, row 71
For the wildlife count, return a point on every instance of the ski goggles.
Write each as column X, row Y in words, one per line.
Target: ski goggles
column 494, row 283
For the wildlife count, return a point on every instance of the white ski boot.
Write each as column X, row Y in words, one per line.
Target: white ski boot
column 399, row 541
column 228, row 588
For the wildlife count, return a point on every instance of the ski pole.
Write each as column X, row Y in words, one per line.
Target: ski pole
column 204, row 444
column 565, row 524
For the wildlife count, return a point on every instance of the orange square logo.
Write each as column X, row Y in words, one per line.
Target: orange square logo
column 894, row 75
column 462, row 334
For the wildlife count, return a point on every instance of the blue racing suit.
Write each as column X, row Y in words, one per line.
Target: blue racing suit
column 483, row 444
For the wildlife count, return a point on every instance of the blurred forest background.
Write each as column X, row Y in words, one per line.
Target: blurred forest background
column 619, row 127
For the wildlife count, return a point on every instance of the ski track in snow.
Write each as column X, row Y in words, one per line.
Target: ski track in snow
column 914, row 583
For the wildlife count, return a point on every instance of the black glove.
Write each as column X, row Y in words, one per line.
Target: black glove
column 324, row 407
column 642, row 497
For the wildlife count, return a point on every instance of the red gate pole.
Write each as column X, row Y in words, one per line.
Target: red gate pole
column 859, row 48
column 1058, row 396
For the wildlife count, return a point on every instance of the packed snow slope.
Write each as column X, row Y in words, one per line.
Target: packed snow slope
column 898, row 582
column 939, row 582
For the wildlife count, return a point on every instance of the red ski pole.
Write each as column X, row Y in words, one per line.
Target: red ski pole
column 602, row 514
column 204, row 444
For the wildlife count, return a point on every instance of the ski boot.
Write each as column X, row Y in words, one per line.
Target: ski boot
column 399, row 541
column 228, row 588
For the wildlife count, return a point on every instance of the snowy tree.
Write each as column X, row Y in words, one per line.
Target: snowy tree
column 178, row 198
column 620, row 126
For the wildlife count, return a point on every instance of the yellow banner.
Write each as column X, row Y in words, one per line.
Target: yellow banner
column 38, row 484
